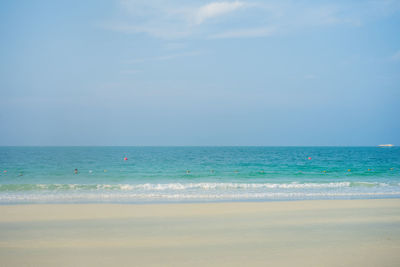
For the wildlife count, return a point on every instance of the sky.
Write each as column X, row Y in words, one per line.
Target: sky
column 218, row 73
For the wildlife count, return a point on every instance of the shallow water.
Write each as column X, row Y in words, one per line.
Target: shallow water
column 191, row 174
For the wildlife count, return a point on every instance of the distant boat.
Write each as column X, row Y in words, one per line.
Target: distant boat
column 386, row 145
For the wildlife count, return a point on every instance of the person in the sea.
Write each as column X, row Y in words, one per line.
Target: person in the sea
column 76, row 171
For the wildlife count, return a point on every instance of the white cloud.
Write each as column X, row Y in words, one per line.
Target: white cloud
column 178, row 19
column 215, row 9
column 245, row 33
column 168, row 19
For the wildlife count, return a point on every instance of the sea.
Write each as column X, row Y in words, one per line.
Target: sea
column 196, row 174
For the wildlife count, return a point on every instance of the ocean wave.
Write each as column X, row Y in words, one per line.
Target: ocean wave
column 369, row 184
column 183, row 186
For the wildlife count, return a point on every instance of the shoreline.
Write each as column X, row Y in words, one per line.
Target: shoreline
column 385, row 196
column 277, row 233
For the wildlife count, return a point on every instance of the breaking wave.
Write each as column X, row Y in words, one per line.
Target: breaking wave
column 182, row 186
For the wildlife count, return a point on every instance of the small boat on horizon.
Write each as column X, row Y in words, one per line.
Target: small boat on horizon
column 386, row 145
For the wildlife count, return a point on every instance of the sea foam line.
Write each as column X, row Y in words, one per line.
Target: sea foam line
column 183, row 186
column 110, row 197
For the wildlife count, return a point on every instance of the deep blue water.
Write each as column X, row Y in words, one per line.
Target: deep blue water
column 187, row 174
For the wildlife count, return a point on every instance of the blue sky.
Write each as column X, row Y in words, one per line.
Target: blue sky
column 199, row 72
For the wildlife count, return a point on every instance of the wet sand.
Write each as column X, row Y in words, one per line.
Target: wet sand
column 298, row 233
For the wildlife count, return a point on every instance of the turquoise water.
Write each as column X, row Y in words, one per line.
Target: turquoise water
column 196, row 174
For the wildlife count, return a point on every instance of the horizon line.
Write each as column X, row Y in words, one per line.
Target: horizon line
column 192, row 146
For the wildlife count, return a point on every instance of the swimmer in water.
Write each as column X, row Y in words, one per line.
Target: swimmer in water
column 76, row 171
column 187, row 172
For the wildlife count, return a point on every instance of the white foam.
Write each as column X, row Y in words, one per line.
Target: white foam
column 205, row 186
column 215, row 186
column 131, row 197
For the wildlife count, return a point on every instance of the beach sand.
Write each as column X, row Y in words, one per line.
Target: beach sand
column 297, row 233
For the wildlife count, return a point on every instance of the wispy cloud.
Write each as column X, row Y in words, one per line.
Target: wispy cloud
column 168, row 21
column 241, row 19
column 215, row 9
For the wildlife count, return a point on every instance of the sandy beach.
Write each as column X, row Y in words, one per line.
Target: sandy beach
column 300, row 233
